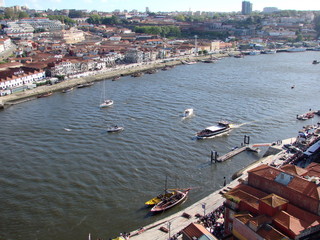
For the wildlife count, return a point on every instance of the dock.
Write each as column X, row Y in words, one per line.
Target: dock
column 231, row 154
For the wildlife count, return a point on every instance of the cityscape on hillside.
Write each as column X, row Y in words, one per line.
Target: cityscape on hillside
column 42, row 51
column 43, row 43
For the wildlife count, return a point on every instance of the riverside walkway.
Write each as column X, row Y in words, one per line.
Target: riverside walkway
column 177, row 222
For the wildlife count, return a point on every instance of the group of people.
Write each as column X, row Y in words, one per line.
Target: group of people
column 214, row 221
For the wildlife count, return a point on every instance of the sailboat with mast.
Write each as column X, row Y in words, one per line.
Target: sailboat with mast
column 160, row 197
column 105, row 102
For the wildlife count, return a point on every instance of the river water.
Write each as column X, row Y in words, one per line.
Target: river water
column 58, row 184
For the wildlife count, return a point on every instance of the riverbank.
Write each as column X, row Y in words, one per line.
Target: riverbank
column 178, row 221
column 121, row 70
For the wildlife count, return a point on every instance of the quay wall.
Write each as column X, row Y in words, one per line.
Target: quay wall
column 121, row 70
column 178, row 222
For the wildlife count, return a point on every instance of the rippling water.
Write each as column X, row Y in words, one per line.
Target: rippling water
column 58, row 184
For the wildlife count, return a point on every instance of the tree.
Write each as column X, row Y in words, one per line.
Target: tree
column 9, row 13
column 23, row 15
column 76, row 14
column 94, row 19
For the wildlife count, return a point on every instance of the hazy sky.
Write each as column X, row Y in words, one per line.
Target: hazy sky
column 164, row 5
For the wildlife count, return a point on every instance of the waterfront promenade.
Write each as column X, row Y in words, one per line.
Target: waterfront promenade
column 108, row 73
column 177, row 222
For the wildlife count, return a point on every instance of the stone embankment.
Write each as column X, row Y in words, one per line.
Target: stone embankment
column 120, row 70
column 177, row 222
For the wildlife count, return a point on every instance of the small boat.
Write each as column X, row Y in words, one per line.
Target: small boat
column 305, row 116
column 190, row 62
column 239, row 56
column 221, row 127
column 115, row 129
column 187, row 113
column 151, row 71
column 106, row 103
column 44, row 95
column 269, row 51
column 315, row 62
column 137, row 74
column 85, row 85
column 115, row 78
column 178, row 197
column 67, row 90
column 296, row 49
column 210, row 61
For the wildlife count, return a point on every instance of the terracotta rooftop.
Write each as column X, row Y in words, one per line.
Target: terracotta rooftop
column 260, row 220
column 313, row 170
column 274, row 200
column 294, row 170
column 267, row 232
column 290, row 222
column 308, row 217
column 196, row 230
column 294, row 182
column 243, row 217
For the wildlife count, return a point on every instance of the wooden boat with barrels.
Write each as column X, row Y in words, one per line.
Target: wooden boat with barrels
column 159, row 198
column 177, row 197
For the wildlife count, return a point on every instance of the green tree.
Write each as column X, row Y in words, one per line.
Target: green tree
column 94, row 19
column 23, row 15
column 76, row 14
column 9, row 13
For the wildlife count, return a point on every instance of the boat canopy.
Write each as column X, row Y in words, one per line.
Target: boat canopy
column 214, row 128
column 311, row 150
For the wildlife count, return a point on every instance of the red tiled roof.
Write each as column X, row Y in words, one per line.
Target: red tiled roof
column 294, row 170
column 306, row 216
column 260, row 220
column 297, row 183
column 195, row 230
column 274, row 200
column 243, row 217
column 305, row 187
column 313, row 170
column 290, row 222
column 269, row 233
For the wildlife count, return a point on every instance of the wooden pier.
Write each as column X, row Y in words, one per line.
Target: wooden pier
column 231, row 154
column 216, row 158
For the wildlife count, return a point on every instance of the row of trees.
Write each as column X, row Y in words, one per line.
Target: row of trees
column 163, row 31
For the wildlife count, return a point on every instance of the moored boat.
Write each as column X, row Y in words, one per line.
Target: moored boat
column 115, row 78
column 187, row 113
column 115, row 129
column 159, row 198
column 44, row 95
column 137, row 74
column 298, row 49
column 67, row 90
column 85, row 85
column 178, row 197
column 106, row 103
column 211, row 131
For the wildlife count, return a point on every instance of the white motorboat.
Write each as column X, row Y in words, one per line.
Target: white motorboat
column 221, row 127
column 187, row 113
column 106, row 103
column 115, row 129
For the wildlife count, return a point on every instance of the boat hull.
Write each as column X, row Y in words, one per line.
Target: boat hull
column 177, row 198
column 107, row 103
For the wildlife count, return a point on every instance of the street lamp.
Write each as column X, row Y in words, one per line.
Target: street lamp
column 169, row 225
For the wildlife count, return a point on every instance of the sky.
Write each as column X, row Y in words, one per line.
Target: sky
column 164, row 5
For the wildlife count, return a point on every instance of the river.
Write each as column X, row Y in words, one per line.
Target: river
column 63, row 176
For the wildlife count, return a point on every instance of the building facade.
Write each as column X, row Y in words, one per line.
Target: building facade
column 246, row 8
